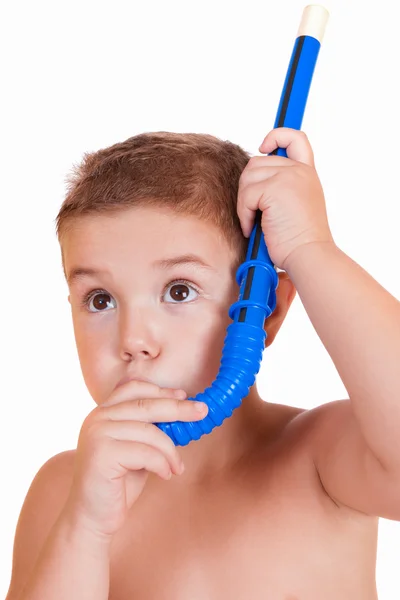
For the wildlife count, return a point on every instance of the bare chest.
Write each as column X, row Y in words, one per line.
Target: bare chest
column 281, row 539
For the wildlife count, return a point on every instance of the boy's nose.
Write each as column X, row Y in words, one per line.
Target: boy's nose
column 138, row 335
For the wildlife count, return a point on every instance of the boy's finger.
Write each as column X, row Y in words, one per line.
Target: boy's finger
column 141, row 389
column 293, row 141
column 156, row 410
column 249, row 199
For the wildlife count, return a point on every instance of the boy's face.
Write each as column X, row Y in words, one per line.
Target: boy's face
column 141, row 320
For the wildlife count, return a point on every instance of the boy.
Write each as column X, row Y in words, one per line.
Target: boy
column 279, row 502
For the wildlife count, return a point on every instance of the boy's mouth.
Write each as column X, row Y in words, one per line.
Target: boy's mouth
column 131, row 378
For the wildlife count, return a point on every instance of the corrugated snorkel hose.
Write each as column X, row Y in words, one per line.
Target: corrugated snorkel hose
column 257, row 277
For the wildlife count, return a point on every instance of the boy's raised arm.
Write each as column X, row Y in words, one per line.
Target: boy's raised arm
column 55, row 558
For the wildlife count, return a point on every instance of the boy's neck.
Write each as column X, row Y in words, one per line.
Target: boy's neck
column 220, row 450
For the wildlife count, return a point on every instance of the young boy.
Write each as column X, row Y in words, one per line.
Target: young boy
column 278, row 502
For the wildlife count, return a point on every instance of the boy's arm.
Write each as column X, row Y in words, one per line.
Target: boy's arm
column 356, row 441
column 348, row 470
column 53, row 559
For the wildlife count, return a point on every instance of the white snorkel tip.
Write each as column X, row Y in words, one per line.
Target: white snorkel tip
column 313, row 21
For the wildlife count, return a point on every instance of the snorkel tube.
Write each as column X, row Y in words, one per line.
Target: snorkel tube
column 245, row 337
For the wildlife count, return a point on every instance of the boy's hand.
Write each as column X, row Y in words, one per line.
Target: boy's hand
column 117, row 448
column 289, row 194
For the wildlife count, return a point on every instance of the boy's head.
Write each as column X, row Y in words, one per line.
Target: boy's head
column 134, row 211
column 192, row 174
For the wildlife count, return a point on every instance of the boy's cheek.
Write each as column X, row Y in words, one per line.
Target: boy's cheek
column 189, row 358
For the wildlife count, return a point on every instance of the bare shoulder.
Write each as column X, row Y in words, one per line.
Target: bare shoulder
column 294, row 434
column 310, row 424
column 303, row 423
column 43, row 503
column 320, row 433
column 304, row 429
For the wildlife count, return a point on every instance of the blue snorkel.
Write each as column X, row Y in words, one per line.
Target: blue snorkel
column 257, row 277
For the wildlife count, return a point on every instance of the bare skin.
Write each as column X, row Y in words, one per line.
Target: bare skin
column 263, row 528
column 249, row 516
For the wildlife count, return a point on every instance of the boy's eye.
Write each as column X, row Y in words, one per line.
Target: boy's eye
column 179, row 292
column 98, row 300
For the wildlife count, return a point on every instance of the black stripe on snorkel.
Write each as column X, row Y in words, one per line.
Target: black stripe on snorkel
column 280, row 123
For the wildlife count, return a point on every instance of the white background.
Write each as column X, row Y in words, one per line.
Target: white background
column 79, row 76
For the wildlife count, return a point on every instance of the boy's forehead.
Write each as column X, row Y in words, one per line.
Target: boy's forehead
column 148, row 234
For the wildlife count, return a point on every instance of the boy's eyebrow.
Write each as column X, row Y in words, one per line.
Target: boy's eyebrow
column 185, row 259
column 78, row 273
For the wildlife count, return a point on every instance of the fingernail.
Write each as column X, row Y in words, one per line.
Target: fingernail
column 179, row 394
column 200, row 406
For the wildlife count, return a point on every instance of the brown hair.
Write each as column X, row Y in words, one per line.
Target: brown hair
column 192, row 173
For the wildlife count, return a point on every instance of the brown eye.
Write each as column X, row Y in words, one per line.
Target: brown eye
column 179, row 293
column 99, row 302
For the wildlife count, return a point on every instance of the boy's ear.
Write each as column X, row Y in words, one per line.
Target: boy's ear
column 285, row 294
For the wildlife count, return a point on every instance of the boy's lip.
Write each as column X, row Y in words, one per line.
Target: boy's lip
column 131, row 378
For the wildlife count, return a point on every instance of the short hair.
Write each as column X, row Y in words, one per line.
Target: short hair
column 190, row 173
